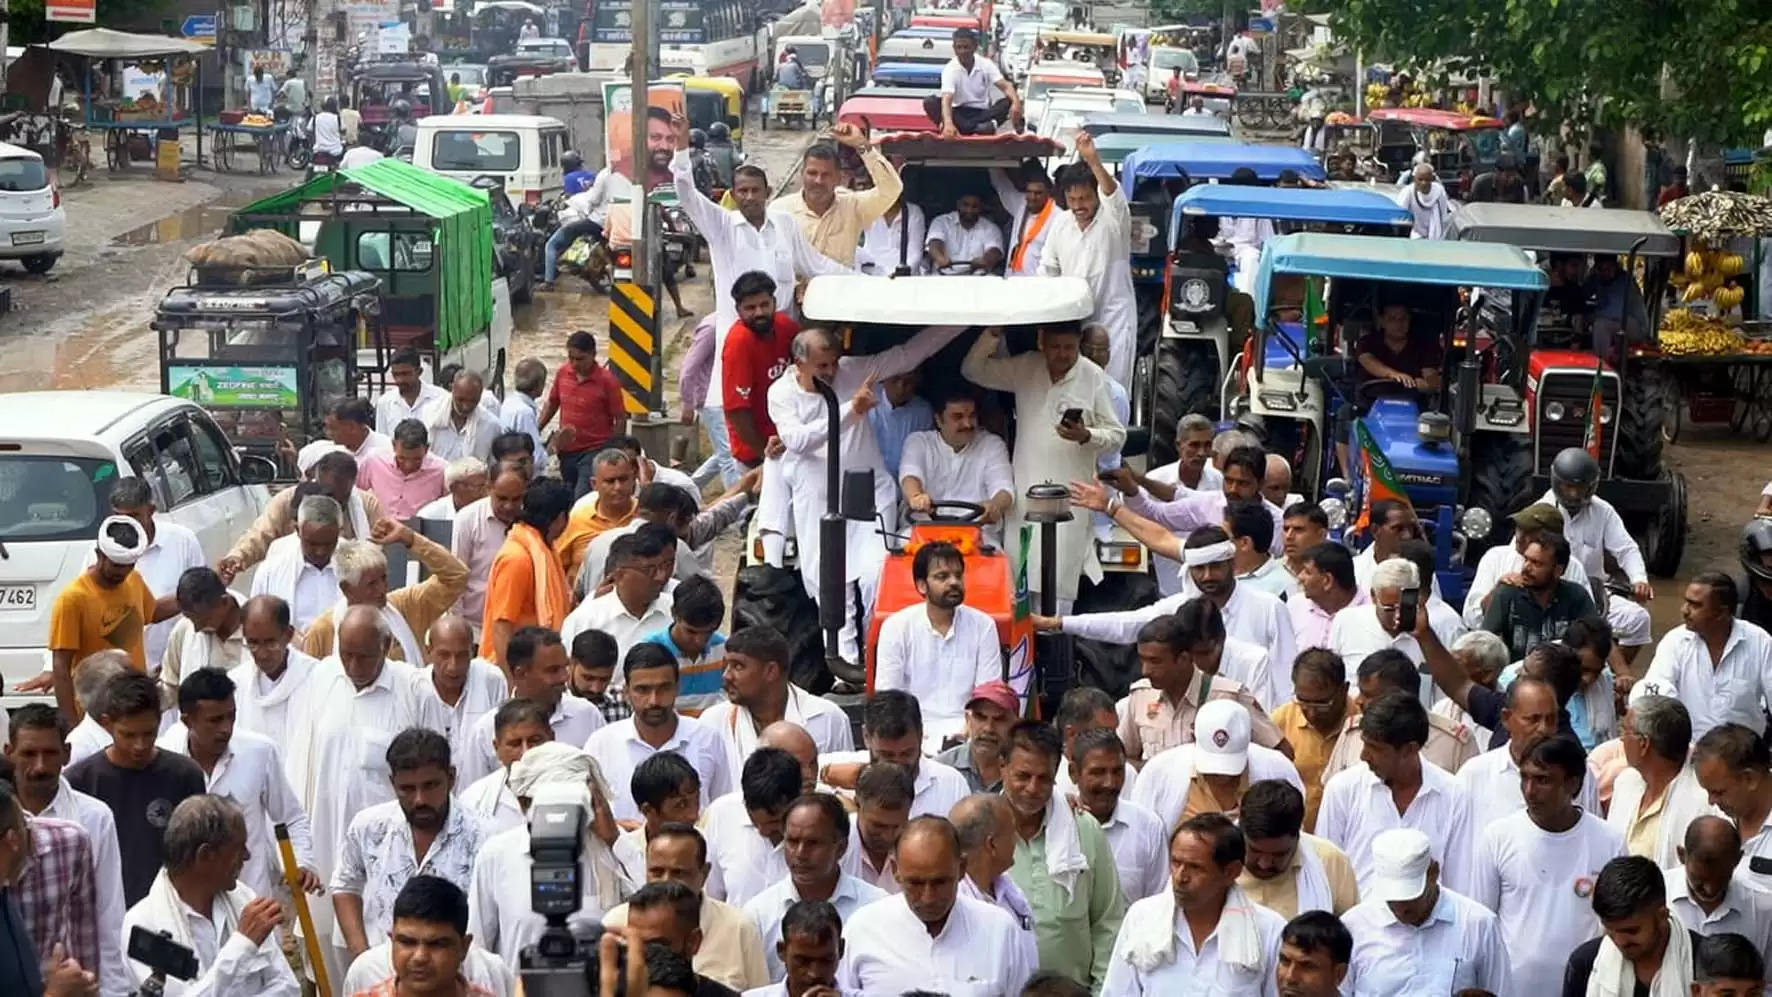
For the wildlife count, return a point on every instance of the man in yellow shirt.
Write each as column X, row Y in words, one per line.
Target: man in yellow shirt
column 1284, row 869
column 1313, row 720
column 834, row 219
column 106, row 607
column 613, row 480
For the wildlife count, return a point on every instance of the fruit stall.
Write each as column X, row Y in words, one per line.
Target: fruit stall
column 1715, row 350
column 145, row 95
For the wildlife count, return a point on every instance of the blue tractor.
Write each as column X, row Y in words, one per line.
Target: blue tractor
column 1460, row 449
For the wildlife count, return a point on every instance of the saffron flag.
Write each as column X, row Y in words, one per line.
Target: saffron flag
column 1596, row 401
column 1381, row 479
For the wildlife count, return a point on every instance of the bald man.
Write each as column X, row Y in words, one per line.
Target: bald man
column 985, row 824
column 1276, row 484
column 454, row 689
column 930, row 938
column 1704, row 892
column 793, row 739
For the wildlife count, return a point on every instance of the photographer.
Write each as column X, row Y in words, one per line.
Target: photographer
column 198, row 902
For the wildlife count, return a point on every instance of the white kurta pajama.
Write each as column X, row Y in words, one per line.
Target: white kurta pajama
column 1041, row 455
column 1102, row 255
column 342, row 766
column 802, row 422
column 263, row 706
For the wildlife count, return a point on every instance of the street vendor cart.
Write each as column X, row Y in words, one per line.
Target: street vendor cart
column 133, row 124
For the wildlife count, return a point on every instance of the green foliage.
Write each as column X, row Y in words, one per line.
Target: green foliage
column 1701, row 69
column 29, row 27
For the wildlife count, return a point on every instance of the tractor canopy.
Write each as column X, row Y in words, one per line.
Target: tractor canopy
column 1307, row 205
column 915, row 302
column 1565, row 230
column 1183, row 128
column 1411, row 261
column 908, row 74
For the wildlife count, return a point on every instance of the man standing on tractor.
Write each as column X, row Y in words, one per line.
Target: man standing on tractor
column 1031, row 212
column 1093, row 241
column 964, row 105
column 1594, row 530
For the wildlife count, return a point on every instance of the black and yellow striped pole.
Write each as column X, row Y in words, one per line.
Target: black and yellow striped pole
column 633, row 346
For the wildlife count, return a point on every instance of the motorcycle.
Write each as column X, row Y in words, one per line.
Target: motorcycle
column 299, row 150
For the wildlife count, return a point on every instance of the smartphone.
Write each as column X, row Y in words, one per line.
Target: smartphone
column 1407, row 608
column 1073, row 415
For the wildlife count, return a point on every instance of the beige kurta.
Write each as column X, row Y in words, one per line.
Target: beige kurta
column 1041, row 455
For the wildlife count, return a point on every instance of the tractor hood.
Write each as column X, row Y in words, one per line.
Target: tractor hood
column 1428, row 472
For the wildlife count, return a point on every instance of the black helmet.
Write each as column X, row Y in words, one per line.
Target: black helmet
column 697, row 138
column 1756, row 546
column 720, row 131
column 571, row 162
column 1574, row 475
column 401, row 108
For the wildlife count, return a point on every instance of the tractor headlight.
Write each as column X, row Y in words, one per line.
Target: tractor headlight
column 1554, row 411
column 1279, row 401
column 1335, row 510
column 1477, row 522
column 1195, row 294
column 1605, row 415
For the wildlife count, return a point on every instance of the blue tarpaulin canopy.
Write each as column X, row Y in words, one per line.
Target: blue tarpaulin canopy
column 1410, row 261
column 1216, row 161
column 1302, row 204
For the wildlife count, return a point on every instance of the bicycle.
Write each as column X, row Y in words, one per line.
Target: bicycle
column 75, row 152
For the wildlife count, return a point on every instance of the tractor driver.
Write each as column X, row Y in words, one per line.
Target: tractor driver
column 1617, row 304
column 1394, row 353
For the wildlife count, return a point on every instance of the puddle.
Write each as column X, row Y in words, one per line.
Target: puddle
column 191, row 223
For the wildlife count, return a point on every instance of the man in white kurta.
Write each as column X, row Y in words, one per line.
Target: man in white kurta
column 352, row 709
column 275, row 677
column 1049, row 383
column 958, row 462
column 1031, row 213
column 1093, row 240
column 802, row 422
column 964, row 240
column 939, row 650
column 451, row 693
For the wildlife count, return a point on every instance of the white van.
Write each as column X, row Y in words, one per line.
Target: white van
column 60, row 454
column 814, row 53
column 521, row 149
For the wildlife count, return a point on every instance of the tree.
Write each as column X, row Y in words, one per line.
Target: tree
column 1701, row 69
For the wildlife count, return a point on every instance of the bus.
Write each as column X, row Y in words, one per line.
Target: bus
column 697, row 37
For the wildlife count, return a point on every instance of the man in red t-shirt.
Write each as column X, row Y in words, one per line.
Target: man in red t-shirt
column 755, row 354
column 588, row 399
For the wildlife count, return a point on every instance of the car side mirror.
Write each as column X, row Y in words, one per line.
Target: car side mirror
column 257, row 470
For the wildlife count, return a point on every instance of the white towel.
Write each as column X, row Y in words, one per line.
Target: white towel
column 743, row 728
column 1314, row 892
column 1685, row 802
column 560, row 773
column 403, row 635
column 1150, row 942
column 1614, row 976
column 1064, row 849
column 166, row 911
column 359, row 515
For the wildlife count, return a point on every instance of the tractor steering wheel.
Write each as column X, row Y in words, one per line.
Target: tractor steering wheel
column 949, row 511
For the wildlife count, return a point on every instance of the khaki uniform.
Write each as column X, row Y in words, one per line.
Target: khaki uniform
column 1449, row 745
column 1150, row 723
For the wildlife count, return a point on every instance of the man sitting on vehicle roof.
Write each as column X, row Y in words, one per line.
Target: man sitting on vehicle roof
column 964, row 241
column 964, row 105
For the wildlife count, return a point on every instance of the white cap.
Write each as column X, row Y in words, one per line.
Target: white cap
column 1644, row 688
column 309, row 455
column 1221, row 738
column 1400, row 860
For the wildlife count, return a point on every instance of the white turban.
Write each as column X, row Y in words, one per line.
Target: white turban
column 560, row 773
column 308, row 456
column 117, row 552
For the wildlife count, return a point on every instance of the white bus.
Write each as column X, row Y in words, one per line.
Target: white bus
column 697, row 37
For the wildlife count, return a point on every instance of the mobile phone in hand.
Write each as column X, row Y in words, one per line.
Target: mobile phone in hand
column 1408, row 606
column 1073, row 415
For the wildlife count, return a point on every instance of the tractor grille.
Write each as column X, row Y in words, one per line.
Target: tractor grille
column 1573, row 390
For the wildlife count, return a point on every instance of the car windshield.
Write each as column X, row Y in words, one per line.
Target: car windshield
column 53, row 498
column 1171, row 59
column 812, row 55
column 481, row 152
column 545, row 46
column 1127, row 105
column 21, row 173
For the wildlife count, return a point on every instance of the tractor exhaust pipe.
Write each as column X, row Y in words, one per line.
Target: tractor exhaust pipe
column 833, row 542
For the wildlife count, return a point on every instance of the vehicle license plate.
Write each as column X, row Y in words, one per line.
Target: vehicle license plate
column 18, row 597
column 27, row 239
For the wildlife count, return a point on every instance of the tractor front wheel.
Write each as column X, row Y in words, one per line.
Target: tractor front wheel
column 1642, row 413
column 1186, row 378
column 776, row 597
column 1501, row 483
column 1664, row 542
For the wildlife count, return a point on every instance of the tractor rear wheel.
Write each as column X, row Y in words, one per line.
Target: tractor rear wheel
column 1664, row 541
column 776, row 597
column 1501, row 483
column 1642, row 412
column 1186, row 382
column 1110, row 667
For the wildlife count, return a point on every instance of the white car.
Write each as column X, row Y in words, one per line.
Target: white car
column 33, row 222
column 60, row 454
column 1164, row 62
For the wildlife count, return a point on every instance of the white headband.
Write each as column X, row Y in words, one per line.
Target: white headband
column 115, row 552
column 1224, row 550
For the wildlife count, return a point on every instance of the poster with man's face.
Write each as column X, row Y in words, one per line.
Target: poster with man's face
column 664, row 100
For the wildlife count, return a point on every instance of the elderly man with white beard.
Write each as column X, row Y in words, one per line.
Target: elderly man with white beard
column 802, row 423
column 352, row 710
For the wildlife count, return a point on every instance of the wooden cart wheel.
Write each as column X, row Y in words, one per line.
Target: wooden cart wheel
column 1741, row 392
column 116, row 149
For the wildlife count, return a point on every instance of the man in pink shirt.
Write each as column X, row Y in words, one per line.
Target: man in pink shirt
column 408, row 479
column 1326, row 586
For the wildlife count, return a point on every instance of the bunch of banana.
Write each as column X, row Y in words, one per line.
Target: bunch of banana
column 1686, row 334
column 1728, row 297
column 1730, row 264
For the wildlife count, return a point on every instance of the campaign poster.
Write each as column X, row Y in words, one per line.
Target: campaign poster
column 664, row 100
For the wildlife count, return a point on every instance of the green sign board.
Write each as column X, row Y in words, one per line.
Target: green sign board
column 234, row 387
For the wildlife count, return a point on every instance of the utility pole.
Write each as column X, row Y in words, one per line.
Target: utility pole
column 645, row 228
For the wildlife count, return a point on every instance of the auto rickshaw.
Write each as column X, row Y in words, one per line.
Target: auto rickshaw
column 1086, row 47
column 376, row 86
column 268, row 351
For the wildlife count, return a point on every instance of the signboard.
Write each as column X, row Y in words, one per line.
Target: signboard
column 199, row 27
column 234, row 387
column 274, row 61
column 393, row 38
column 679, row 22
column 618, row 129
column 76, row 11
